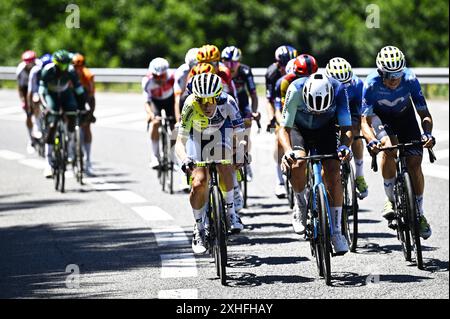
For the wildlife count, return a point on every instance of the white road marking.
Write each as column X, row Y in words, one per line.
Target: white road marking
column 441, row 154
column 100, row 185
column 441, row 135
column 178, row 265
column 121, row 118
column 178, row 294
column 126, row 197
column 152, row 213
column 33, row 162
column 11, row 110
column 170, row 236
column 12, row 156
column 434, row 170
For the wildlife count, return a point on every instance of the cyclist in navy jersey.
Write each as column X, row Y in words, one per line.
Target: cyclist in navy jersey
column 392, row 92
column 274, row 72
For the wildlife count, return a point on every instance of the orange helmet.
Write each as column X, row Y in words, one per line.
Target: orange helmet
column 78, row 60
column 202, row 68
column 208, row 53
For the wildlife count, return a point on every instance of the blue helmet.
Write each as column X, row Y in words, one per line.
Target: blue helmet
column 46, row 59
column 285, row 53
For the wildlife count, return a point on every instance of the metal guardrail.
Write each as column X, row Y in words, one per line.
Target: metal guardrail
column 425, row 75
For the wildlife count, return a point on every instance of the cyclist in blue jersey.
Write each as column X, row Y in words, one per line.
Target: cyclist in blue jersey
column 341, row 70
column 313, row 107
column 274, row 72
column 392, row 92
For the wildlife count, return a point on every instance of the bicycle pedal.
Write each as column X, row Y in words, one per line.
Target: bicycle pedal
column 392, row 224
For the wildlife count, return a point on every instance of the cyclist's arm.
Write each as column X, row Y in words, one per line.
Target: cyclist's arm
column 254, row 99
column 344, row 117
column 346, row 135
column 366, row 128
column 176, row 106
column 289, row 113
column 180, row 147
column 367, row 114
column 427, row 121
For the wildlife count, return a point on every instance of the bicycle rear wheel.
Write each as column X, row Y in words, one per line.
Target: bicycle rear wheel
column 244, row 185
column 324, row 235
column 56, row 161
column 220, row 245
column 350, row 207
column 413, row 218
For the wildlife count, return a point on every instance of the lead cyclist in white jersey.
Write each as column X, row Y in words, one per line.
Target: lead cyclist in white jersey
column 210, row 121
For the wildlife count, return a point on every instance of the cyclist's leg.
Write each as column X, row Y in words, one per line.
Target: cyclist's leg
column 87, row 135
column 51, row 101
column 358, row 153
column 154, row 134
column 69, row 104
column 280, row 190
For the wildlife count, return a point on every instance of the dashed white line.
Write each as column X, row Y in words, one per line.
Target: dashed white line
column 170, row 236
column 126, row 197
column 12, row 156
column 33, row 162
column 434, row 170
column 178, row 294
column 152, row 213
column 178, row 265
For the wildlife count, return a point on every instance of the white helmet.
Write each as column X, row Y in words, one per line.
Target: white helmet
column 290, row 66
column 191, row 57
column 158, row 66
column 391, row 60
column 206, row 85
column 318, row 93
column 339, row 69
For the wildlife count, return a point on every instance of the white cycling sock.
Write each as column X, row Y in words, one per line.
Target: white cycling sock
column 48, row 153
column 199, row 215
column 336, row 215
column 359, row 167
column 229, row 199
column 419, row 201
column 155, row 148
column 279, row 175
column 389, row 188
column 300, row 199
column 87, row 152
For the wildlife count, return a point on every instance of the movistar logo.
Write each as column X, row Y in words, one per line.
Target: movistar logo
column 393, row 103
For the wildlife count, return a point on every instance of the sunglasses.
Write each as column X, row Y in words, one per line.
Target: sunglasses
column 160, row 76
column 392, row 76
column 231, row 64
column 206, row 100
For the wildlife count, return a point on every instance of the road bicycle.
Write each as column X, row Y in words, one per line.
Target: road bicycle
column 217, row 228
column 77, row 164
column 319, row 222
column 406, row 219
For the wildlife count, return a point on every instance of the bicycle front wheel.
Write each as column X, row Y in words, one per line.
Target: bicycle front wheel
column 220, row 245
column 413, row 218
column 324, row 235
column 402, row 219
column 350, row 207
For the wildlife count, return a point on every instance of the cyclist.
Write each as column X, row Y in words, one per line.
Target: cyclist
column 159, row 94
column 210, row 121
column 87, row 81
column 313, row 105
column 245, row 86
column 33, row 90
column 392, row 92
column 341, row 70
column 275, row 71
column 29, row 60
column 181, row 77
column 211, row 54
column 57, row 86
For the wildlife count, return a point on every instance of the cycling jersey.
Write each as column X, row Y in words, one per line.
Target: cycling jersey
column 384, row 102
column 22, row 74
column 34, row 78
column 86, row 79
column 58, row 87
column 354, row 90
column 244, row 82
column 281, row 89
column 192, row 117
column 273, row 73
column 181, row 77
column 155, row 91
column 395, row 108
column 295, row 111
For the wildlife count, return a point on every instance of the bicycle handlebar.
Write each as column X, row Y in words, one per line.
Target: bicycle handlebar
column 432, row 156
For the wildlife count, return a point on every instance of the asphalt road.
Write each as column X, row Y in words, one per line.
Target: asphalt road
column 121, row 237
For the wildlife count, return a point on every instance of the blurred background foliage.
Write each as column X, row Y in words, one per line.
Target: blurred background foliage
column 129, row 33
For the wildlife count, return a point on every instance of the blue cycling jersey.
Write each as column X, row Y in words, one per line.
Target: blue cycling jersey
column 296, row 112
column 382, row 101
column 354, row 90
